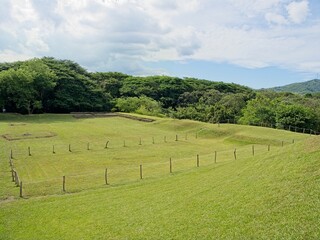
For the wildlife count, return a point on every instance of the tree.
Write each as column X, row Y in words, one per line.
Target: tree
column 261, row 110
column 196, row 112
column 160, row 88
column 189, row 98
column 296, row 116
column 43, row 81
column 110, row 82
column 76, row 93
column 141, row 105
column 210, row 97
column 17, row 91
column 75, row 90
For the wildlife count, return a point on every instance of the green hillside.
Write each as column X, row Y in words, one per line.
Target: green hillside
column 49, row 85
column 261, row 184
column 312, row 86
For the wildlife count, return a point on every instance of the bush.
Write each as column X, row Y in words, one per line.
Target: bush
column 142, row 105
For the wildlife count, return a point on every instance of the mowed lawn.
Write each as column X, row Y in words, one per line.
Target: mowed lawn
column 259, row 195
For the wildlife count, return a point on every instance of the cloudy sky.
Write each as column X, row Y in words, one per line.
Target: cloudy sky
column 258, row 43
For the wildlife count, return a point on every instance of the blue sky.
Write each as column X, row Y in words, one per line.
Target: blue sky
column 258, row 43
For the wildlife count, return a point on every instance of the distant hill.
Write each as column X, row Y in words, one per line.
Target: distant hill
column 311, row 86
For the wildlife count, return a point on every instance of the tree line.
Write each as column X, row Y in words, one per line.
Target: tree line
column 48, row 85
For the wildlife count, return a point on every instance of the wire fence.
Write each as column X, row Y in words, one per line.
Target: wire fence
column 16, row 149
column 271, row 125
column 119, row 174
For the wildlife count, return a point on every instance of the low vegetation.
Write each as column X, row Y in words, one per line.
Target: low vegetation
column 269, row 189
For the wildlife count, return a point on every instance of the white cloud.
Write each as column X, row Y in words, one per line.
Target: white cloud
column 23, row 11
column 298, row 11
column 11, row 56
column 274, row 18
column 252, row 8
column 123, row 34
column 35, row 41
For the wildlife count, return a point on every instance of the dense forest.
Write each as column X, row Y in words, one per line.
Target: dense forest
column 48, row 85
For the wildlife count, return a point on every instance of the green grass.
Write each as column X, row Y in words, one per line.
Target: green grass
column 271, row 195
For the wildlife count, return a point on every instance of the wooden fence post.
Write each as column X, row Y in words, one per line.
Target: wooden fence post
column 11, row 152
column 21, row 189
column 29, row 151
column 197, row 160
column 53, row 152
column 70, row 148
column 176, row 137
column 170, row 165
column 12, row 175
column 215, row 156
column 64, row 183
column 235, row 154
column 292, row 140
column 140, row 171
column 16, row 178
column 106, row 146
column 124, row 143
column 10, row 162
column 252, row 150
column 106, row 176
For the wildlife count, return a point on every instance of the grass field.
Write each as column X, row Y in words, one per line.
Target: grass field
column 269, row 194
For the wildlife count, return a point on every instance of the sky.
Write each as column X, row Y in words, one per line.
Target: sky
column 257, row 43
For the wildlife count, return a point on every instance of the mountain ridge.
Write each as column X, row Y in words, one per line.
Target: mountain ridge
column 311, row 86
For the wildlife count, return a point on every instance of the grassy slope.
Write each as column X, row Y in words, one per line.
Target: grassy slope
column 42, row 172
column 270, row 195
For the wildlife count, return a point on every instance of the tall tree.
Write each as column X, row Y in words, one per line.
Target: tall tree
column 259, row 110
column 17, row 91
column 296, row 116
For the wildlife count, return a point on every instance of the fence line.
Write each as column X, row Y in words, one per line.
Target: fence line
column 58, row 149
column 224, row 156
column 83, row 146
column 54, row 148
column 16, row 151
column 271, row 125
